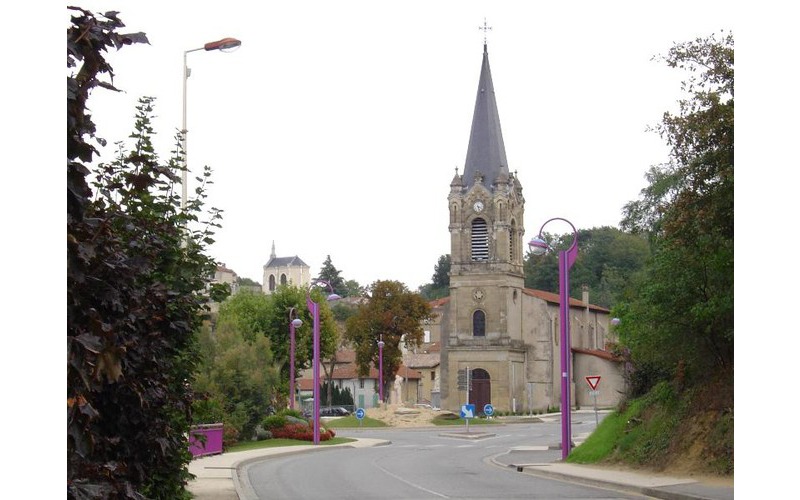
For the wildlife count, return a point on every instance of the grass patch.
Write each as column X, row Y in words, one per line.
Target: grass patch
column 277, row 443
column 640, row 434
column 453, row 419
column 351, row 421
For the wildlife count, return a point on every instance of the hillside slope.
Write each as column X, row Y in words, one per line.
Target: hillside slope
column 671, row 430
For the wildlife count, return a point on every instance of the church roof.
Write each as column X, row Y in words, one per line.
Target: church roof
column 294, row 261
column 555, row 299
column 486, row 153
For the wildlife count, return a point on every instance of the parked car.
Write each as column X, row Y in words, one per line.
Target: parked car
column 328, row 411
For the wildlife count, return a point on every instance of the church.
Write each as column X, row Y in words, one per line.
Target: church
column 504, row 335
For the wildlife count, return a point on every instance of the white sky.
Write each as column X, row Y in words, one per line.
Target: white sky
column 336, row 127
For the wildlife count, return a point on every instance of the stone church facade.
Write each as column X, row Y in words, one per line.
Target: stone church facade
column 283, row 271
column 507, row 336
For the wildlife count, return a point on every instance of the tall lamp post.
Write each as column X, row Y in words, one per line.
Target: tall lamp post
column 313, row 308
column 381, row 343
column 224, row 45
column 566, row 258
column 294, row 322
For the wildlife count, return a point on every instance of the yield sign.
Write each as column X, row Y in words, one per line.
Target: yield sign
column 593, row 380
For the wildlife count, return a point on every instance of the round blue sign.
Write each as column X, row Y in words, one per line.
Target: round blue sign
column 360, row 413
column 488, row 410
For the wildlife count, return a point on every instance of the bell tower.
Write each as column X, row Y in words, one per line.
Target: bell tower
column 484, row 322
column 486, row 225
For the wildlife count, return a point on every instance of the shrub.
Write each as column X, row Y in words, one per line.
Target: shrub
column 262, row 434
column 230, row 435
column 291, row 413
column 273, row 422
column 296, row 420
column 302, row 432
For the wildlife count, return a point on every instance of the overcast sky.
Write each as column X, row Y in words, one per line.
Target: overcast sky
column 336, row 128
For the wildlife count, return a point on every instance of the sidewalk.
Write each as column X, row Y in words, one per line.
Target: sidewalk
column 545, row 462
column 217, row 478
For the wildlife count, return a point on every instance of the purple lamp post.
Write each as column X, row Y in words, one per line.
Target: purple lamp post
column 381, row 343
column 294, row 322
column 565, row 260
column 313, row 308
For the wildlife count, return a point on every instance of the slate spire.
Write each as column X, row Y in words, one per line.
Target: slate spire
column 486, row 153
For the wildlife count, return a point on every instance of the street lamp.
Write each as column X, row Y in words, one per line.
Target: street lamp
column 566, row 258
column 381, row 343
column 294, row 322
column 224, row 45
column 313, row 308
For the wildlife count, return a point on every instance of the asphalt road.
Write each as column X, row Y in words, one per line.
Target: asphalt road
column 423, row 464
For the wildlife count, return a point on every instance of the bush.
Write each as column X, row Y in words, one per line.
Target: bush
column 291, row 413
column 302, row 432
column 262, row 434
column 273, row 422
column 230, row 435
column 296, row 420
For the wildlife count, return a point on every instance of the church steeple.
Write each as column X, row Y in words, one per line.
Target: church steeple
column 486, row 153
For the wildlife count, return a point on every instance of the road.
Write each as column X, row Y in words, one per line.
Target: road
column 423, row 464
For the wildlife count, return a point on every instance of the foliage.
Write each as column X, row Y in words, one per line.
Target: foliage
column 392, row 313
column 352, row 288
column 684, row 299
column 257, row 316
column 239, row 375
column 440, row 281
column 247, row 282
column 282, row 300
column 339, row 396
column 302, row 432
column 329, row 273
column 666, row 428
column 135, row 292
column 607, row 259
column 274, row 422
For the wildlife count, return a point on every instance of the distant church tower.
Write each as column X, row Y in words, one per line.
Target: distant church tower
column 483, row 327
column 283, row 271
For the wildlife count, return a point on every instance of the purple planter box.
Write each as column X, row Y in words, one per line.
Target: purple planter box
column 213, row 440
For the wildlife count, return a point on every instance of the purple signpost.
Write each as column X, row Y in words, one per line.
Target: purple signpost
column 566, row 258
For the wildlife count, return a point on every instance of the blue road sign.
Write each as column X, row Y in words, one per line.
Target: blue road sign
column 488, row 410
column 468, row 411
column 360, row 413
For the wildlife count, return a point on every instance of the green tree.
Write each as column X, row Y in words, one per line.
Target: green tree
column 440, row 281
column 247, row 282
column 680, row 313
column 607, row 260
column 135, row 292
column 392, row 313
column 255, row 315
column 332, row 275
column 238, row 376
column 352, row 288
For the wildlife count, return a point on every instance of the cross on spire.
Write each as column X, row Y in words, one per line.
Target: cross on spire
column 484, row 28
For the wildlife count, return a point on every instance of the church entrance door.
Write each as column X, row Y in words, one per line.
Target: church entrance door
column 480, row 393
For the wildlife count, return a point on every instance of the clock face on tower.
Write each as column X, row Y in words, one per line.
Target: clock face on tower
column 478, row 206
